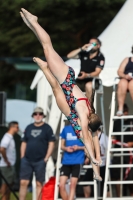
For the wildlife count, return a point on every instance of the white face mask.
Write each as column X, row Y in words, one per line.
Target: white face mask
column 38, row 121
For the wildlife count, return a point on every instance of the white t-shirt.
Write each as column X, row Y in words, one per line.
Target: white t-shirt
column 8, row 143
column 103, row 147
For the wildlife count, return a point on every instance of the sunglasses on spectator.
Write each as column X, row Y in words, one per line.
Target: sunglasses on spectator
column 36, row 113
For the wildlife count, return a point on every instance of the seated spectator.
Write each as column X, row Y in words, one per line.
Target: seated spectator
column 128, row 139
column 125, row 72
column 92, row 63
column 103, row 140
column 72, row 160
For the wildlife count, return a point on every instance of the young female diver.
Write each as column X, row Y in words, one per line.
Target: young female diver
column 70, row 99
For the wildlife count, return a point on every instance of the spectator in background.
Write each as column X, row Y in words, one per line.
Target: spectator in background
column 36, row 148
column 8, row 159
column 72, row 161
column 125, row 72
column 103, row 140
column 128, row 139
column 92, row 63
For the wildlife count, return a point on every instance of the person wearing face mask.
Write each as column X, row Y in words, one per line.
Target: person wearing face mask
column 92, row 63
column 36, row 148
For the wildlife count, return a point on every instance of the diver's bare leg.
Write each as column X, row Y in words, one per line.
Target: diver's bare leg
column 29, row 25
column 57, row 66
column 58, row 93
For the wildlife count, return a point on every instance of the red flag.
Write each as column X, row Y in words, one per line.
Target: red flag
column 48, row 190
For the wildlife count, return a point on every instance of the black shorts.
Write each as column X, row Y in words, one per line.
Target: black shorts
column 89, row 174
column 81, row 83
column 89, row 177
column 115, row 172
column 74, row 170
column 130, row 178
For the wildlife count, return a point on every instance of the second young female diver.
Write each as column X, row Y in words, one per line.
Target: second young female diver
column 70, row 99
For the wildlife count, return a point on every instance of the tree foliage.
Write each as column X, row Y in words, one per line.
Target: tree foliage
column 16, row 83
column 69, row 23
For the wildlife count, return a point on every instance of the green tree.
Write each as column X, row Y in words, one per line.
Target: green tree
column 16, row 83
column 69, row 23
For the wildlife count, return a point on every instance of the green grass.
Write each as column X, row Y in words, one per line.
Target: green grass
column 28, row 196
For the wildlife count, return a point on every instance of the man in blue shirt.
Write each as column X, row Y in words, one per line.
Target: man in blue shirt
column 36, row 148
column 72, row 160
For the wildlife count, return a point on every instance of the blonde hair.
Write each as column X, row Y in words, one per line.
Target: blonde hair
column 95, row 122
